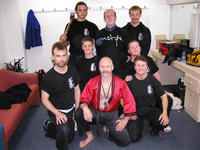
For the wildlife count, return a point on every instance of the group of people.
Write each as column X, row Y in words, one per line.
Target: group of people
column 118, row 88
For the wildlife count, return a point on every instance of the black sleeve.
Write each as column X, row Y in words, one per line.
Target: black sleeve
column 45, row 84
column 95, row 30
column 98, row 44
column 145, row 46
column 125, row 71
column 128, row 69
column 76, row 76
column 125, row 38
column 153, row 67
column 158, row 88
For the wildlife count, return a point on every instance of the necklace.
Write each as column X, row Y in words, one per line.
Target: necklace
column 106, row 93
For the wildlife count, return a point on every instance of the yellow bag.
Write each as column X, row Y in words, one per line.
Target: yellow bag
column 194, row 58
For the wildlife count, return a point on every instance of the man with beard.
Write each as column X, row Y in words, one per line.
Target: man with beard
column 61, row 95
column 136, row 30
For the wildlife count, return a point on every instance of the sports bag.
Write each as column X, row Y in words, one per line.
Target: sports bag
column 194, row 58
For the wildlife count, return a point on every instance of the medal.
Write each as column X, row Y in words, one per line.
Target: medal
column 106, row 104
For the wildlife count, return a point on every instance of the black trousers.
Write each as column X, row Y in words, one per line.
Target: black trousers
column 65, row 132
column 135, row 127
column 121, row 138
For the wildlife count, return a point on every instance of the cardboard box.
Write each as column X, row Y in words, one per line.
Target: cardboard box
column 179, row 36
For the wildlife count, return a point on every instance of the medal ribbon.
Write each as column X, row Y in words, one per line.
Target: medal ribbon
column 106, row 94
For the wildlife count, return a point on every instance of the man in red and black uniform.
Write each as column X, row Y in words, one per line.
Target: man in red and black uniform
column 99, row 103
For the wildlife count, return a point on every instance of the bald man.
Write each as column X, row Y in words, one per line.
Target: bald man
column 99, row 103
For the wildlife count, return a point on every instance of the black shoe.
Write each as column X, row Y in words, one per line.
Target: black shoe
column 46, row 123
column 50, row 129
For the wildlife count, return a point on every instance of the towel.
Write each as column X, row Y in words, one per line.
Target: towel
column 33, row 37
column 176, row 102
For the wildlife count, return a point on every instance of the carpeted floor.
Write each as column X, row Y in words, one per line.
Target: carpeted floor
column 185, row 135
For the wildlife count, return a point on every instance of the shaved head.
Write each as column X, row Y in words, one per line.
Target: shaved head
column 107, row 60
column 106, row 66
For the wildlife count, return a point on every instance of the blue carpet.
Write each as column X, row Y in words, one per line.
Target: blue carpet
column 30, row 135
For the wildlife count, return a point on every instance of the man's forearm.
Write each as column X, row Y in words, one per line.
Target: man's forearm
column 48, row 105
column 164, row 103
column 77, row 96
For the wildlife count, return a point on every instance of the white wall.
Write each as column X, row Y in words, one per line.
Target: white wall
column 12, row 33
column 181, row 18
column 53, row 24
column 3, row 52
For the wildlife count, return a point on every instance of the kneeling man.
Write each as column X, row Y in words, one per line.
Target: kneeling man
column 100, row 100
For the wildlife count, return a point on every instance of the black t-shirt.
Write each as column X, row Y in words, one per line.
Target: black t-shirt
column 140, row 33
column 129, row 69
column 60, row 87
column 78, row 30
column 145, row 92
column 87, row 68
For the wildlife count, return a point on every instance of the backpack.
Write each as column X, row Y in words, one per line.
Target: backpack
column 194, row 58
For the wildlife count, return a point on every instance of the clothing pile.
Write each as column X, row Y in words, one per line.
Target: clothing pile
column 176, row 102
column 176, row 52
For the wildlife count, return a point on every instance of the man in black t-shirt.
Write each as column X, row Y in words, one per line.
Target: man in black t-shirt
column 78, row 29
column 87, row 65
column 134, row 50
column 147, row 91
column 61, row 95
column 136, row 30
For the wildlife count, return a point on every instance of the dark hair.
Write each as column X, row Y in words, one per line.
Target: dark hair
column 135, row 8
column 80, row 3
column 88, row 38
column 142, row 58
column 58, row 45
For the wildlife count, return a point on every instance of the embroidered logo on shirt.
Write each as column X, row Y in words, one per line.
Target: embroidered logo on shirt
column 148, row 70
column 93, row 67
column 140, row 36
column 71, row 84
column 86, row 32
column 149, row 89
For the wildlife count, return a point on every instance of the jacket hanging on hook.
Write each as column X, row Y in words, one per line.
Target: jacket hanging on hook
column 33, row 37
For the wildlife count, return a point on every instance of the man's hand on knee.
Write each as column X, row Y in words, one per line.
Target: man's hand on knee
column 61, row 118
column 121, row 124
